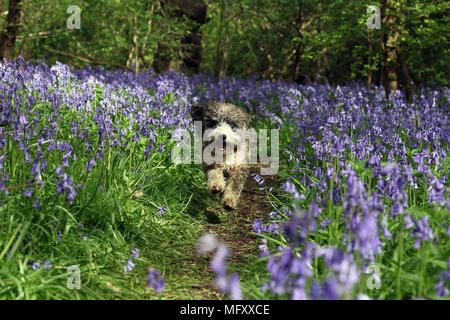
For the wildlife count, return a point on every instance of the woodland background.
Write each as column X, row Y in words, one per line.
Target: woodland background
column 290, row 40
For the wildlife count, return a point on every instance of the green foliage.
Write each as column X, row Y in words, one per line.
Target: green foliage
column 331, row 37
column 283, row 39
column 107, row 34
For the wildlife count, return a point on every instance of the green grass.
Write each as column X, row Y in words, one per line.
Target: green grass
column 113, row 222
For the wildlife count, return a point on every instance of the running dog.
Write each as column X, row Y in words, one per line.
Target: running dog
column 226, row 124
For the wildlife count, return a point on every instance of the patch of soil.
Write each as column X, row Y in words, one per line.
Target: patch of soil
column 235, row 227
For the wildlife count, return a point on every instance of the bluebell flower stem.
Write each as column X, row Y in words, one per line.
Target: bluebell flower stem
column 399, row 259
column 424, row 254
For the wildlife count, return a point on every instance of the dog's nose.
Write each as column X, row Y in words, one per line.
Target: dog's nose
column 224, row 137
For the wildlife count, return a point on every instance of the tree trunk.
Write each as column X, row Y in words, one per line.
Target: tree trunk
column 406, row 80
column 219, row 48
column 133, row 56
column 225, row 54
column 296, row 64
column 226, row 44
column 136, row 47
column 369, row 63
column 390, row 47
column 195, row 10
column 145, row 42
column 391, row 65
column 299, row 48
column 8, row 38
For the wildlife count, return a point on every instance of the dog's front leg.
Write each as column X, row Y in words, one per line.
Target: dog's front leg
column 215, row 180
column 233, row 189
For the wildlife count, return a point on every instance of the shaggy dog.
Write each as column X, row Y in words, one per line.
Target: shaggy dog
column 226, row 124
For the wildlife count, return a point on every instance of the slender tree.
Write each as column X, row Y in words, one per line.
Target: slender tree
column 390, row 46
column 299, row 47
column 8, row 37
column 223, row 39
column 195, row 11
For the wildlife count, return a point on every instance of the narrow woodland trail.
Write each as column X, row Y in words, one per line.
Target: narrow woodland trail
column 233, row 228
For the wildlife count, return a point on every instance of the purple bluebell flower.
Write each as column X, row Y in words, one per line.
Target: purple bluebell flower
column 155, row 280
column 28, row 192
column 47, row 264
column 274, row 215
column 159, row 285
column 325, row 222
column 331, row 290
column 36, row 204
column 235, row 287
column 422, row 231
column 273, row 227
column 290, row 188
column 442, row 287
column 135, row 253
column 385, row 229
column 218, row 262
column 226, row 283
column 264, row 251
column 59, row 235
column 36, row 265
column 162, row 211
column 258, row 226
column 129, row 266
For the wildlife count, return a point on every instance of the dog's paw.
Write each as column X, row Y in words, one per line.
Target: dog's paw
column 215, row 189
column 229, row 204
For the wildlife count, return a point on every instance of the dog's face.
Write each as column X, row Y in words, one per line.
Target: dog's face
column 223, row 121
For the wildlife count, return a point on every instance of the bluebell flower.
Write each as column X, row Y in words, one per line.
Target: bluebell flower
column 289, row 187
column 325, row 222
column 36, row 204
column 59, row 235
column 129, row 266
column 47, row 264
column 36, row 265
column 218, row 262
column 258, row 226
column 28, row 192
column 422, row 231
column 155, row 280
column 226, row 283
column 162, row 211
column 135, row 253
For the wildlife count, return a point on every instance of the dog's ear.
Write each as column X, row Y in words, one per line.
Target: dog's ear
column 197, row 112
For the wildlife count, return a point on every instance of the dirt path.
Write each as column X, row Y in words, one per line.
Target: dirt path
column 234, row 227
